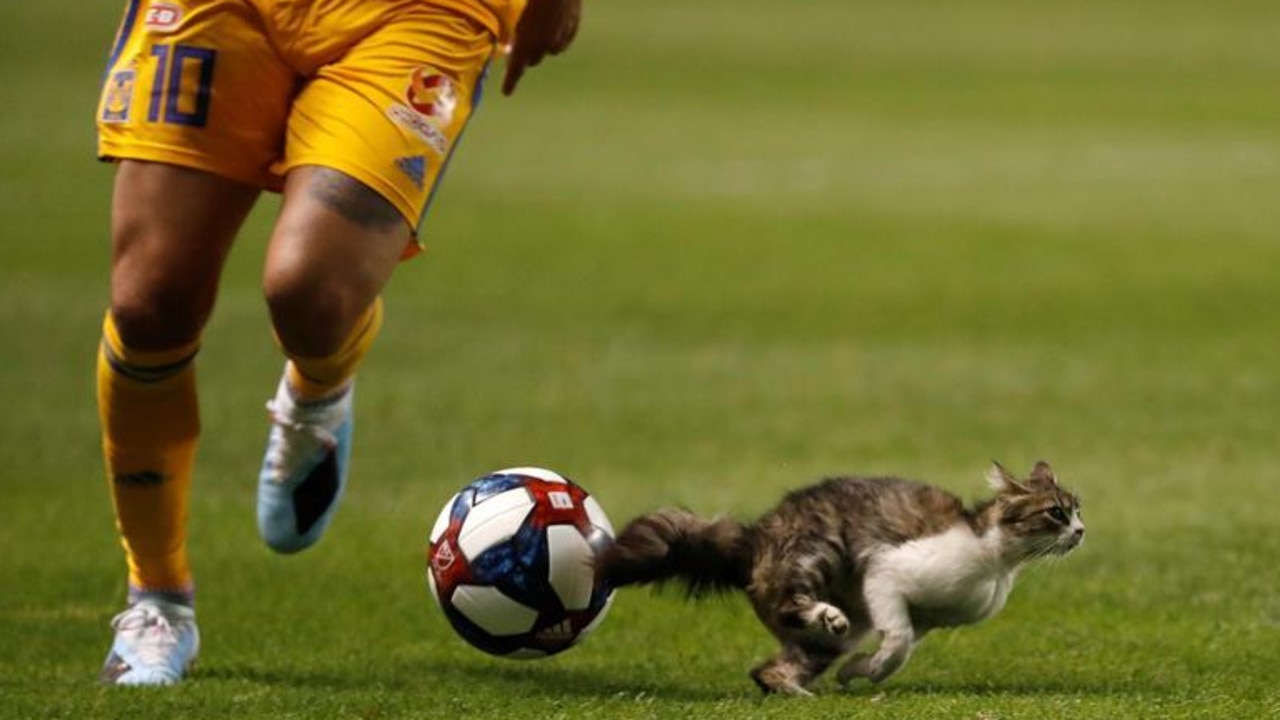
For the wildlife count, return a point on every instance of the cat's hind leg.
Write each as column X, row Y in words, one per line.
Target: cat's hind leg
column 793, row 668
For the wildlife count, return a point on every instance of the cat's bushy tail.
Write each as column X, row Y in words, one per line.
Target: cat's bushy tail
column 707, row 556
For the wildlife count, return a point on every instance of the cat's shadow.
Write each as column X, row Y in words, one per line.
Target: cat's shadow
column 550, row 680
column 1005, row 688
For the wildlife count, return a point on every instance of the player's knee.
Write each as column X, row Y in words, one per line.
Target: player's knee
column 149, row 322
column 311, row 317
column 156, row 302
column 158, row 315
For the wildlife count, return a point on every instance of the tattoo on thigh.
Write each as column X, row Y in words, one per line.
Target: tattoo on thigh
column 353, row 200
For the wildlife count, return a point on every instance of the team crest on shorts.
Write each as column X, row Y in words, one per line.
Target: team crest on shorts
column 431, row 98
column 163, row 17
column 118, row 97
column 432, row 95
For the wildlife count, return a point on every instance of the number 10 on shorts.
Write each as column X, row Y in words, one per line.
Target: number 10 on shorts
column 181, row 91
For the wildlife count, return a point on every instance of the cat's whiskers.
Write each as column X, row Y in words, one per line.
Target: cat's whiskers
column 1043, row 547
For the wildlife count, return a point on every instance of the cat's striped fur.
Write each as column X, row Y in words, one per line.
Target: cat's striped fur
column 838, row 560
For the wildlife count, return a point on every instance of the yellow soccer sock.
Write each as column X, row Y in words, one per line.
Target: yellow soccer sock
column 150, row 423
column 313, row 379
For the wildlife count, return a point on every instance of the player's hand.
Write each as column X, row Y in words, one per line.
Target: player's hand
column 546, row 28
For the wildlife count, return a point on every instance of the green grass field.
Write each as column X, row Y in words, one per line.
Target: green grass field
column 717, row 251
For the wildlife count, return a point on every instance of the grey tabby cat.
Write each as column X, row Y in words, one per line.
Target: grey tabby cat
column 836, row 560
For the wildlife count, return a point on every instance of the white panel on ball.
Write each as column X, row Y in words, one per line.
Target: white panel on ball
column 570, row 566
column 534, row 472
column 525, row 654
column 599, row 618
column 495, row 520
column 435, row 591
column 596, row 514
column 494, row 612
column 442, row 520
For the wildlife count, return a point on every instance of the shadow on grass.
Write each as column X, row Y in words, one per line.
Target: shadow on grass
column 525, row 679
column 1009, row 688
column 546, row 680
column 300, row 679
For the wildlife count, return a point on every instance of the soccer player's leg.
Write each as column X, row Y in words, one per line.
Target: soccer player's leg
column 171, row 228
column 333, row 248
column 193, row 110
column 368, row 139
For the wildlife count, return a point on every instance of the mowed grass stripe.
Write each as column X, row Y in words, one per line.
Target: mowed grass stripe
column 714, row 253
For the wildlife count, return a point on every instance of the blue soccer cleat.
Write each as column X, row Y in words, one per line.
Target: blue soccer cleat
column 304, row 470
column 156, row 641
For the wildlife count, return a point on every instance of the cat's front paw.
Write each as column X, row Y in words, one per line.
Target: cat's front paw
column 827, row 618
column 833, row 620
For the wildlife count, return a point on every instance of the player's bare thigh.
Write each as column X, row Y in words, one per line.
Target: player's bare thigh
column 333, row 249
column 368, row 136
column 171, row 229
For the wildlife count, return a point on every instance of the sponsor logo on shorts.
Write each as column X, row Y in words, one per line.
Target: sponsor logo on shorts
column 119, row 97
column 420, row 126
column 432, row 95
column 414, row 167
column 163, row 17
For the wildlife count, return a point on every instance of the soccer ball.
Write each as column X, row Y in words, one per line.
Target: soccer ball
column 510, row 563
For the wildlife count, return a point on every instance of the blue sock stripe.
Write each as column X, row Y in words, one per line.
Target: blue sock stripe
column 145, row 374
column 180, row 596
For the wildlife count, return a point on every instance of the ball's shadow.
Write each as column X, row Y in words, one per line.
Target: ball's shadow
column 546, row 678
column 529, row 679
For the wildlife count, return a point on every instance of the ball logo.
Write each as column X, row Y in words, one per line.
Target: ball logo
column 432, row 94
column 561, row 632
column 560, row 500
column 443, row 558
column 163, row 17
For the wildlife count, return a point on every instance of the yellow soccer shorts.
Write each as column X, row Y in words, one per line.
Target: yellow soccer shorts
column 249, row 89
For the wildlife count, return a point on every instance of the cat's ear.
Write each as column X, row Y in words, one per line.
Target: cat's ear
column 1042, row 474
column 1002, row 481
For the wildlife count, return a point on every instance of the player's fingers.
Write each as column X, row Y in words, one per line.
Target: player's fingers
column 535, row 58
column 515, row 69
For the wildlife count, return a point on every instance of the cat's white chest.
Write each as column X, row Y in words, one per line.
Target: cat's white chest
column 953, row 578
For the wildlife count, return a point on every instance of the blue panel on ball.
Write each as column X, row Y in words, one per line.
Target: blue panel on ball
column 489, row 485
column 519, row 568
column 480, row 490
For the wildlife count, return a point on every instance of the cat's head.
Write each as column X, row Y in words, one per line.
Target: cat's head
column 1037, row 517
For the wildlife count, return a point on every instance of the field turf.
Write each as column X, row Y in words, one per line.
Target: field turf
column 719, row 250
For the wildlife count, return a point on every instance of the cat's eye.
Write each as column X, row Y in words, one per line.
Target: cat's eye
column 1058, row 514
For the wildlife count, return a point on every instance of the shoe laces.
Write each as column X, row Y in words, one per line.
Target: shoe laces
column 151, row 634
column 298, row 437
